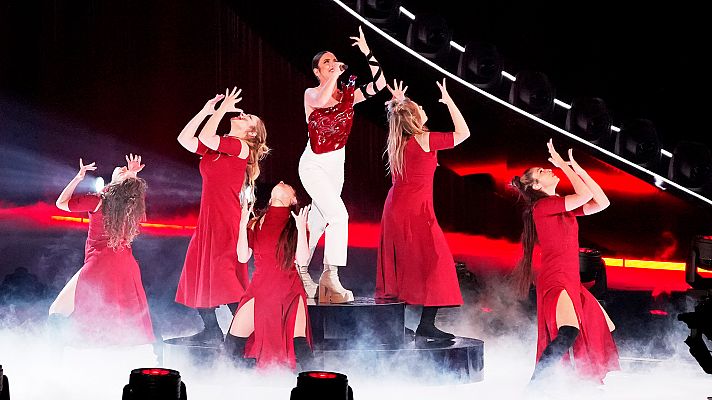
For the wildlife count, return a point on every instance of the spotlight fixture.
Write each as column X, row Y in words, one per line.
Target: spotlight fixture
column 387, row 14
column 700, row 257
column 592, row 270
column 700, row 324
column 430, row 36
column 322, row 385
column 154, row 384
column 691, row 165
column 481, row 65
column 532, row 92
column 4, row 386
column 638, row 142
column 589, row 119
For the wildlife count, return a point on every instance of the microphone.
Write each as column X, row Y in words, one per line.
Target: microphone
column 343, row 67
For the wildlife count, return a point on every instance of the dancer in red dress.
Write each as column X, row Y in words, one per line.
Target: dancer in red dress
column 414, row 262
column 272, row 324
column 329, row 112
column 211, row 274
column 567, row 313
column 105, row 300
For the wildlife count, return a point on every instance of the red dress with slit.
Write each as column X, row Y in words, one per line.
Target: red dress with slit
column 594, row 350
column 276, row 293
column 110, row 306
column 211, row 275
column 414, row 261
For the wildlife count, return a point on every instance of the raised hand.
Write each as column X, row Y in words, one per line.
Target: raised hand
column 444, row 95
column 133, row 163
column 246, row 212
column 398, row 91
column 574, row 165
column 301, row 218
column 360, row 41
column 554, row 157
column 230, row 99
column 209, row 107
column 84, row 168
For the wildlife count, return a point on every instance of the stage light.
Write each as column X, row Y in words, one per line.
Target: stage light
column 592, row 270
column 387, row 14
column 481, row 65
column 430, row 36
column 589, row 119
column 154, row 384
column 532, row 92
column 700, row 257
column 322, row 385
column 638, row 142
column 691, row 165
column 4, row 386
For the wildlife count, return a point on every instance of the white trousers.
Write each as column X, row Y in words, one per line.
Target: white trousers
column 322, row 176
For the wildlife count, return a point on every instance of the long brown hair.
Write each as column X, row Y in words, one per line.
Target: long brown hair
column 258, row 151
column 124, row 208
column 522, row 274
column 403, row 123
column 286, row 247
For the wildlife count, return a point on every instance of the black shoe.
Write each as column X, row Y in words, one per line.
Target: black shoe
column 409, row 335
column 431, row 332
column 206, row 336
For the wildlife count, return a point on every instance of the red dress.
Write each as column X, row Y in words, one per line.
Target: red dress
column 594, row 351
column 110, row 306
column 211, row 275
column 414, row 262
column 276, row 293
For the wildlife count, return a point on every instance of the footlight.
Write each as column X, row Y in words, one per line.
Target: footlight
column 322, row 385
column 154, row 384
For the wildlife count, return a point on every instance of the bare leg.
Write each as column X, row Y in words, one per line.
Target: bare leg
column 243, row 324
column 64, row 303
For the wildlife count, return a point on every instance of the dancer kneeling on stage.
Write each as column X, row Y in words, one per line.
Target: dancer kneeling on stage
column 329, row 112
column 272, row 324
column 211, row 275
column 105, row 299
column 568, row 316
column 414, row 262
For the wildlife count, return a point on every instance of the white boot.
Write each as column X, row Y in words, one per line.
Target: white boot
column 330, row 289
column 309, row 285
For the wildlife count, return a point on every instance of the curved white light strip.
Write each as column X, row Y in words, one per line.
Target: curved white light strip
column 658, row 178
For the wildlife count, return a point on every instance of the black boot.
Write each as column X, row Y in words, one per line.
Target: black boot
column 303, row 353
column 426, row 327
column 554, row 351
column 234, row 348
column 211, row 333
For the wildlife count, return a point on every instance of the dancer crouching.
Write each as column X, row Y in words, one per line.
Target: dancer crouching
column 273, row 312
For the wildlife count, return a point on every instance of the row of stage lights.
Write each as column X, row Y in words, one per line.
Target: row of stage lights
column 688, row 166
column 166, row 384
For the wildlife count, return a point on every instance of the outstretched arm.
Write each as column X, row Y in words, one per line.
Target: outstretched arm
column 462, row 131
column 301, row 255
column 208, row 135
column 583, row 194
column 64, row 197
column 186, row 137
column 378, row 81
column 600, row 201
column 244, row 252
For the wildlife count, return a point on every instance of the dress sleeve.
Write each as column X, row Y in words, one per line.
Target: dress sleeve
column 202, row 149
column 229, row 145
column 441, row 140
column 550, row 205
column 84, row 203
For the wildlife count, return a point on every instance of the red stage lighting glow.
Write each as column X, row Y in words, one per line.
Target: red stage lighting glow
column 322, row 375
column 658, row 312
column 155, row 371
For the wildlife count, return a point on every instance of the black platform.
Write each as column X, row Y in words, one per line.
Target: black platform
column 364, row 338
